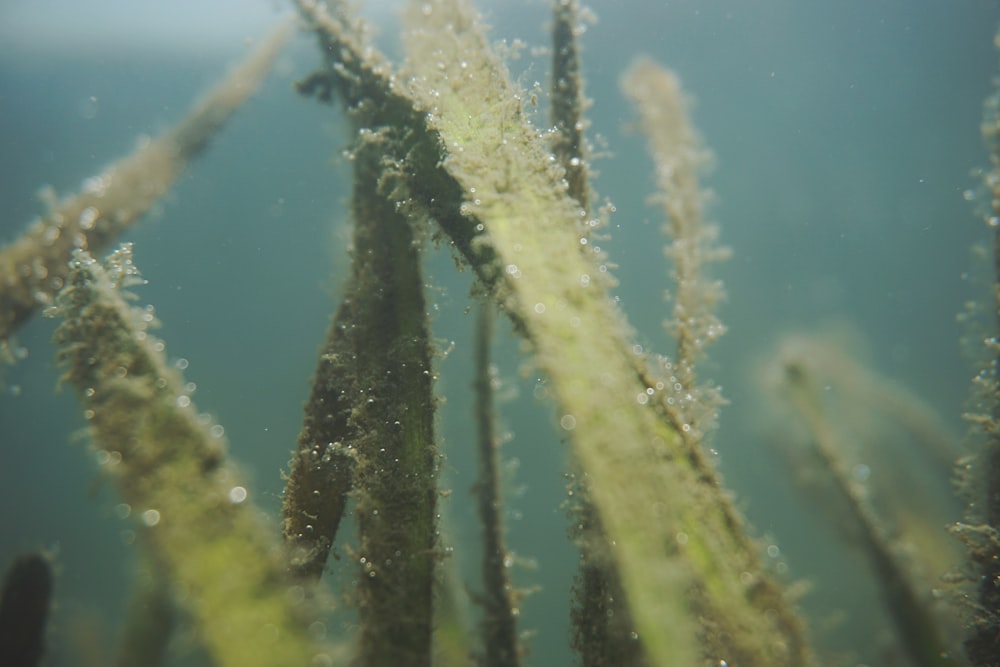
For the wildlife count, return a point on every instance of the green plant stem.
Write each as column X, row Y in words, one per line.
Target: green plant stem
column 568, row 102
column 172, row 471
column 919, row 635
column 393, row 415
column 322, row 468
column 499, row 623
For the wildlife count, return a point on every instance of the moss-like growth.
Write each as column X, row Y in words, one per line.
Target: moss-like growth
column 172, row 470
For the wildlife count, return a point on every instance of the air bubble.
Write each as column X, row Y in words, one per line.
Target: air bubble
column 88, row 218
column 568, row 422
column 151, row 517
column 237, row 495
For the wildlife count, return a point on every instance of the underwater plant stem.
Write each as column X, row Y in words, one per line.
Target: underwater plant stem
column 919, row 635
column 151, row 617
column 678, row 156
column 393, row 416
column 568, row 102
column 322, row 467
column 25, row 601
column 34, row 266
column 499, row 623
column 173, row 473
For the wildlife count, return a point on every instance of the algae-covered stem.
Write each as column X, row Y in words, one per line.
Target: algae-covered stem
column 568, row 102
column 679, row 156
column 396, row 471
column 499, row 624
column 920, row 636
column 34, row 267
column 173, row 471
column 321, row 471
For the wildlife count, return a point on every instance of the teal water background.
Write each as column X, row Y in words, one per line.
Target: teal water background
column 844, row 135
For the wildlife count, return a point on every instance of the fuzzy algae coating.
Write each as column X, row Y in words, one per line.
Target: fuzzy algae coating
column 691, row 576
column 229, row 572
